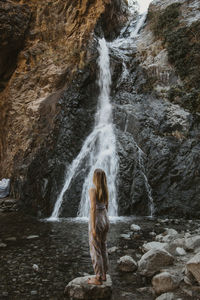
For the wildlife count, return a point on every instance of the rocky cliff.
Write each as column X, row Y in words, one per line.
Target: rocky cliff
column 158, row 110
column 49, row 97
column 47, row 54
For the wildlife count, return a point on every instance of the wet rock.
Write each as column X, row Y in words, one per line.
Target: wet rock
column 152, row 261
column 112, row 250
column 192, row 291
column 166, row 296
column 146, row 291
column 165, row 282
column 192, row 242
column 135, row 227
column 11, row 239
column 31, row 237
column 127, row 264
column 180, row 251
column 5, row 294
column 78, row 288
column 189, row 278
column 33, row 293
column 35, row 267
column 168, row 235
column 157, row 245
column 193, row 266
column 125, row 236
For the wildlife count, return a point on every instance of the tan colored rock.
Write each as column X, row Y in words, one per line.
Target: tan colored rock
column 193, row 266
column 165, row 282
column 192, row 242
column 152, row 261
column 127, row 264
column 78, row 288
column 54, row 48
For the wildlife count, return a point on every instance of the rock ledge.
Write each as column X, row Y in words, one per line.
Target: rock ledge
column 78, row 288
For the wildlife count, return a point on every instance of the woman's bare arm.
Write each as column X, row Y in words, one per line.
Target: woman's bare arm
column 92, row 194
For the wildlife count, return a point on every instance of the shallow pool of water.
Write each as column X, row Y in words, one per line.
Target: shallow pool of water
column 61, row 252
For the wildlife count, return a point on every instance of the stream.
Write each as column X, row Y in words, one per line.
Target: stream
column 60, row 251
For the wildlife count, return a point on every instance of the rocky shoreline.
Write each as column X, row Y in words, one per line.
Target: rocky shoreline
column 8, row 205
column 169, row 264
column 149, row 257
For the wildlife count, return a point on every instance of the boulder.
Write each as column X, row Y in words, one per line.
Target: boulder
column 112, row 250
column 192, row 242
column 135, row 227
column 193, row 266
column 168, row 235
column 153, row 260
column 166, row 296
column 165, row 282
column 157, row 245
column 125, row 236
column 127, row 264
column 78, row 288
column 180, row 251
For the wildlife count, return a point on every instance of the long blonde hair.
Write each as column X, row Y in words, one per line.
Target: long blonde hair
column 100, row 181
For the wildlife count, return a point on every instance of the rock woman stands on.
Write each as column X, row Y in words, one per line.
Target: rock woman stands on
column 98, row 226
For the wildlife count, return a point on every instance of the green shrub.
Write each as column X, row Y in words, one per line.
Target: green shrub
column 183, row 46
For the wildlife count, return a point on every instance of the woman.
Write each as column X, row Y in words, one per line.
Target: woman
column 98, row 226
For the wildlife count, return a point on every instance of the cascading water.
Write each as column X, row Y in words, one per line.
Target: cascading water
column 99, row 145
column 121, row 47
column 103, row 155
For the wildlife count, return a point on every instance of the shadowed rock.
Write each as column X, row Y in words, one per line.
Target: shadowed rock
column 78, row 288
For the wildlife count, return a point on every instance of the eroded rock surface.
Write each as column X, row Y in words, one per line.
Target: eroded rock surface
column 78, row 288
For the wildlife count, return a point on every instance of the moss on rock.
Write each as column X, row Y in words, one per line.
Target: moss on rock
column 183, row 46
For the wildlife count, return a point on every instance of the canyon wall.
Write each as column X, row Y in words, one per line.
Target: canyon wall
column 49, row 94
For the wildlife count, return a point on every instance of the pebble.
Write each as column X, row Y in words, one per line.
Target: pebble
column 30, row 237
column 2, row 245
column 135, row 227
column 33, row 293
column 11, row 239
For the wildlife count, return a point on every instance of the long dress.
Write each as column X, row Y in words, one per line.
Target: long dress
column 98, row 245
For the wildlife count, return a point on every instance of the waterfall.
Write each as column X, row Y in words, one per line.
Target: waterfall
column 103, row 155
column 121, row 47
column 99, row 148
column 100, row 145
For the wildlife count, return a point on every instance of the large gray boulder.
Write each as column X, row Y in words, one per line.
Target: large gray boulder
column 193, row 266
column 127, row 264
column 157, row 245
column 78, row 288
column 152, row 261
column 192, row 242
column 165, row 282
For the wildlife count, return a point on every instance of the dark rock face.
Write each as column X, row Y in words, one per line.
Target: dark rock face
column 158, row 143
column 169, row 139
column 14, row 21
column 44, row 178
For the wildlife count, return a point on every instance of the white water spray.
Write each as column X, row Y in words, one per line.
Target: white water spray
column 103, row 155
column 99, row 145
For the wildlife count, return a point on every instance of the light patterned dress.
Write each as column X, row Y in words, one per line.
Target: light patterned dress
column 98, row 246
